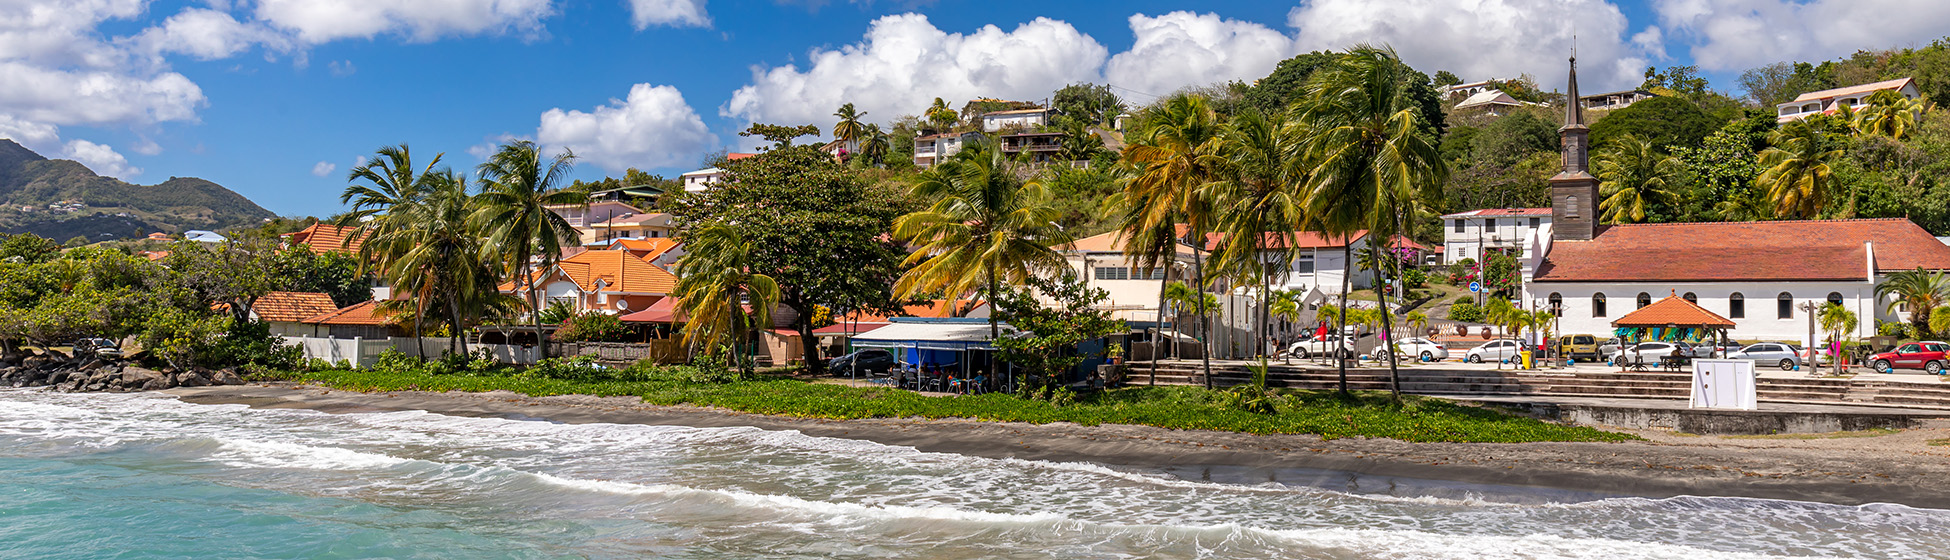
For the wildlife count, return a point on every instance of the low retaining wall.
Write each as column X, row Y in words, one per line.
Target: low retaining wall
column 1723, row 422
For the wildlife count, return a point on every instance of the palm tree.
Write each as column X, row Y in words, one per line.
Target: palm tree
column 383, row 209
column 447, row 261
column 1796, row 170
column 1837, row 321
column 1286, row 305
column 1633, row 174
column 519, row 192
column 1890, row 114
column 984, row 226
column 1175, row 153
column 849, row 130
column 1749, row 205
column 1370, row 156
column 719, row 293
column 940, row 116
column 874, row 145
column 1920, row 290
column 1258, row 198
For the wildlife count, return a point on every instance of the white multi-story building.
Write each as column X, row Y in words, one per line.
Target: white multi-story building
column 935, row 148
column 1832, row 100
column 1466, row 235
column 1614, row 100
column 1020, row 118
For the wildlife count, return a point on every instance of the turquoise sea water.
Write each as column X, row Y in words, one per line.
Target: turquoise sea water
column 145, row 476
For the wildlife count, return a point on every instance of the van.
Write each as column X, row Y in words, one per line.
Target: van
column 1580, row 347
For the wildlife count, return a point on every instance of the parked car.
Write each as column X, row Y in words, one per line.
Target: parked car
column 1495, row 350
column 97, row 347
column 1650, row 352
column 1769, row 354
column 1320, row 346
column 871, row 360
column 1580, row 347
column 1926, row 356
column 1421, row 349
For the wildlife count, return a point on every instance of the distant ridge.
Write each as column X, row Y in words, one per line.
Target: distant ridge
column 61, row 199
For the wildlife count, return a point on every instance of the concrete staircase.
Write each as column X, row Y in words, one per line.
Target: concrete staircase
column 1436, row 380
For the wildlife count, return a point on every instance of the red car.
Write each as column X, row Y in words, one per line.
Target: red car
column 1926, row 356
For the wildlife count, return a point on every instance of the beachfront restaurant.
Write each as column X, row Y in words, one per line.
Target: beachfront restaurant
column 947, row 355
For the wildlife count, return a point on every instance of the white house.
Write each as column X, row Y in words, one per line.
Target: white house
column 1758, row 274
column 934, row 148
column 1488, row 102
column 1614, row 100
column 203, row 236
column 1133, row 292
column 1465, row 235
column 586, row 217
column 1466, row 90
column 703, row 178
column 1832, row 100
column 1020, row 118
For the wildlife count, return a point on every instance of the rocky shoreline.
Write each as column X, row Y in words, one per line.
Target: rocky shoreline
column 104, row 375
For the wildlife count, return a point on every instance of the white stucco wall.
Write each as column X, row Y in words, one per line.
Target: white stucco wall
column 1761, row 320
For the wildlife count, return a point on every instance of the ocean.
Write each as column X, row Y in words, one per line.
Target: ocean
column 146, row 476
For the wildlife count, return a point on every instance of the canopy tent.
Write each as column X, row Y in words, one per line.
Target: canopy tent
column 939, row 344
column 1672, row 319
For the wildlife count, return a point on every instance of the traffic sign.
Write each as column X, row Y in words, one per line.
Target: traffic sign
column 1475, row 286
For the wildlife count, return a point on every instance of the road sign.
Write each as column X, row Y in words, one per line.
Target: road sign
column 1475, row 286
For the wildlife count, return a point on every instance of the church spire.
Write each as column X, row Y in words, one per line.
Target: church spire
column 1573, row 108
column 1574, row 192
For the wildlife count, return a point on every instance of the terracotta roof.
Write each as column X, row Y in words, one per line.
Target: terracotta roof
column 154, row 255
column 1500, row 213
column 1112, row 242
column 362, row 313
column 292, row 307
column 1776, row 251
column 327, row 238
column 618, row 270
column 647, row 249
column 735, row 156
column 1897, row 83
column 1406, row 243
column 1673, row 310
column 1295, row 240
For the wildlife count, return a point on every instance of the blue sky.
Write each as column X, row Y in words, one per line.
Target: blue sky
column 277, row 98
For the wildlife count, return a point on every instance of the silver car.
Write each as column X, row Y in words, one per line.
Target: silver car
column 1649, row 352
column 1769, row 354
column 1496, row 350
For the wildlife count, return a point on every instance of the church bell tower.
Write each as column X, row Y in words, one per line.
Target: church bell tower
column 1574, row 192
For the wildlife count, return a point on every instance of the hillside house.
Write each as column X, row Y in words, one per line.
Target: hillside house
column 939, row 147
column 1492, row 102
column 1614, row 100
column 611, row 281
column 1467, row 235
column 324, row 238
column 998, row 121
column 1831, row 101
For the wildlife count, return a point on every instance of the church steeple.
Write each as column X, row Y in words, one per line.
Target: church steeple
column 1574, row 192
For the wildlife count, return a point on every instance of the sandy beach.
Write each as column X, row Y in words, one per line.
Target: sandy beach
column 1902, row 468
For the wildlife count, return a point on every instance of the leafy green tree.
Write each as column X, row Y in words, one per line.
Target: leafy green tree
column 28, row 248
column 1078, row 143
column 1274, row 92
column 1080, row 194
column 1514, row 137
column 942, row 117
column 723, row 298
column 874, row 145
column 234, row 274
column 1370, row 157
column 1798, row 171
column 813, row 226
column 1633, row 177
column 1919, row 290
column 593, row 327
column 1174, row 152
column 1723, row 169
column 1087, row 103
column 1890, row 114
column 1683, row 81
column 520, row 189
column 1779, row 82
column 1663, row 121
column 1046, row 348
column 984, row 226
column 780, row 136
column 1444, row 78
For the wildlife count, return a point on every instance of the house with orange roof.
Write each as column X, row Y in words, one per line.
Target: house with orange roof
column 1101, row 261
column 612, row 281
column 286, row 312
column 660, row 251
column 1831, row 101
column 359, row 320
column 325, row 238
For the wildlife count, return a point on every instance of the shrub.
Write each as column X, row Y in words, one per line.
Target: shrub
column 1414, row 278
column 593, row 327
column 1466, row 312
column 1895, row 329
column 577, row 368
column 392, row 361
column 251, row 345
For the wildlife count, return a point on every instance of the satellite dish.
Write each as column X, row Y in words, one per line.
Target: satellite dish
column 623, row 304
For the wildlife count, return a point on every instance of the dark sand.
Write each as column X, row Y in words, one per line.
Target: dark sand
column 1901, row 468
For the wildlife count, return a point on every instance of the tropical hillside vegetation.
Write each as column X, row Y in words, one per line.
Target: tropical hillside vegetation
column 63, row 200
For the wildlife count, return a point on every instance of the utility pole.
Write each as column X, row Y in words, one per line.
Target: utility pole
column 1808, row 308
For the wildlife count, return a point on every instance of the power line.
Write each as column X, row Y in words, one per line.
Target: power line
column 1151, row 95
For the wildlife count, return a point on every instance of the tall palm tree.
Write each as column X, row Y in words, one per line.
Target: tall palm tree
column 1920, row 290
column 719, row 293
column 1286, row 305
column 382, row 212
column 1174, row 155
column 1796, row 170
column 984, row 226
column 849, row 130
column 1370, row 155
column 1890, row 114
column 1633, row 174
column 520, row 190
column 874, row 145
column 1258, row 197
column 1837, row 320
column 940, row 116
column 1181, row 296
column 448, row 262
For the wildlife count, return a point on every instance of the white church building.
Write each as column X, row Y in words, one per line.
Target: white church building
column 1759, row 274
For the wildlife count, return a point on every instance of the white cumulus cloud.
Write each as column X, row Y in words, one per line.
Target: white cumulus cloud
column 100, row 158
column 1482, row 39
column 904, row 62
column 645, row 13
column 1739, row 34
column 1178, row 49
column 318, row 21
column 654, row 127
column 206, row 35
column 323, row 168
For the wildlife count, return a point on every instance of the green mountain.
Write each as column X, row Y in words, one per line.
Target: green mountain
column 60, row 199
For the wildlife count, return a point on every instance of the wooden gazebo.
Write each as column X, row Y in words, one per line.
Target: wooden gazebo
column 1672, row 319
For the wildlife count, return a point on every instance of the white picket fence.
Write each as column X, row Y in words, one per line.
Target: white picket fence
column 363, row 352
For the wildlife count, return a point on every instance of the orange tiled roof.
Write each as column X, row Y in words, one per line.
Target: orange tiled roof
column 647, row 249
column 292, row 307
column 618, row 270
column 1673, row 310
column 362, row 313
column 1774, row 251
column 1297, row 239
column 326, row 238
